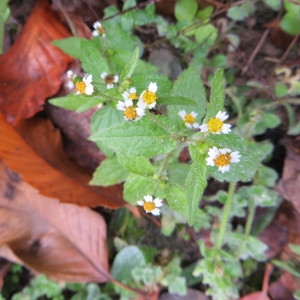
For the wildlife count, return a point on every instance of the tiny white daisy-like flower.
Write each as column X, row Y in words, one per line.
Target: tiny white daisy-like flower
column 109, row 79
column 222, row 158
column 130, row 94
column 98, row 29
column 189, row 119
column 148, row 97
column 85, row 86
column 131, row 112
column 151, row 205
column 216, row 125
column 71, row 77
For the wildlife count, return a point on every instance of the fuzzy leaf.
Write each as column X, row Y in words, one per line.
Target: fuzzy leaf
column 130, row 67
column 138, row 165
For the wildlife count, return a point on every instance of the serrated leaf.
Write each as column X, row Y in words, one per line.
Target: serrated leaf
column 78, row 103
column 188, row 85
column 141, row 138
column 130, row 67
column 136, row 164
column 217, row 96
column 177, row 198
column 195, row 183
column 177, row 100
column 110, row 172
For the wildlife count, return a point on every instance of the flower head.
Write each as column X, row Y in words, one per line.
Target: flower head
column 216, row 125
column 148, row 97
column 98, row 29
column 151, row 205
column 109, row 79
column 131, row 112
column 130, row 94
column 189, row 119
column 222, row 158
column 85, row 86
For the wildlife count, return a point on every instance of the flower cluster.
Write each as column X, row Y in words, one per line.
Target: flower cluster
column 135, row 111
column 109, row 79
column 85, row 86
column 99, row 30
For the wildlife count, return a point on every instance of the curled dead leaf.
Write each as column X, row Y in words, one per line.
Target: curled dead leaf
column 64, row 241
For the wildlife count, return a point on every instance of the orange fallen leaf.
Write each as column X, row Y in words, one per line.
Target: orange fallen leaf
column 44, row 166
column 64, row 241
column 32, row 68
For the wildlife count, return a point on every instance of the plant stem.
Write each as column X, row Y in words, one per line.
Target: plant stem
column 226, row 214
column 248, row 227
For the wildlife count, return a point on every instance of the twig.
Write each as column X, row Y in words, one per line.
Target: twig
column 266, row 278
column 256, row 50
column 287, row 51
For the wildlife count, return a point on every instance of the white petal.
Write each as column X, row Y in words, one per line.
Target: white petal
column 97, row 24
column 155, row 212
column 188, row 125
column 140, row 111
column 140, row 203
column 116, row 78
column 152, row 87
column 89, row 89
column 125, row 95
column 182, row 113
column 128, row 102
column 158, row 202
column 213, row 152
column 203, row 128
column 87, row 78
column 224, row 151
column 141, row 104
column 121, row 105
column 103, row 75
column 235, row 157
column 152, row 105
column 109, row 86
column 148, row 198
column 196, row 125
column 222, row 115
column 70, row 85
column 226, row 128
column 210, row 161
column 224, row 169
column 95, row 33
column 132, row 90
column 194, row 114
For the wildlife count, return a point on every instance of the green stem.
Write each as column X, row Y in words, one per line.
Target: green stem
column 248, row 227
column 226, row 214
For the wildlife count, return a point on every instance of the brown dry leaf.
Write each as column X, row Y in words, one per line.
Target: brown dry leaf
column 32, row 68
column 64, row 241
column 51, row 173
column 284, row 287
column 256, row 296
column 289, row 185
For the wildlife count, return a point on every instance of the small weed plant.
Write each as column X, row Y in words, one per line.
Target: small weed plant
column 168, row 140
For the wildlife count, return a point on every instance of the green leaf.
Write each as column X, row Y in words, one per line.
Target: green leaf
column 130, row 67
column 281, row 89
column 241, row 12
column 177, row 100
column 217, row 96
column 268, row 120
column 177, row 198
column 141, row 138
column 246, row 168
column 195, row 183
column 125, row 261
column 136, row 187
column 185, row 10
column 87, row 51
column 78, row 103
column 178, row 172
column 206, row 34
column 274, row 4
column 136, row 164
column 177, row 285
column 110, row 172
column 266, row 176
column 188, row 85
column 287, row 267
column 295, row 248
column 290, row 23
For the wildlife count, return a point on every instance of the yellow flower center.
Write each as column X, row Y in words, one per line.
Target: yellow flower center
column 149, row 97
column 109, row 79
column 222, row 160
column 133, row 96
column 149, row 206
column 101, row 30
column 80, row 87
column 189, row 119
column 215, row 125
column 130, row 113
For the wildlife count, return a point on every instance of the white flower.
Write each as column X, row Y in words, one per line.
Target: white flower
column 130, row 94
column 109, row 79
column 131, row 113
column 216, row 125
column 71, row 76
column 189, row 119
column 222, row 158
column 98, row 29
column 85, row 86
column 150, row 205
column 148, row 97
